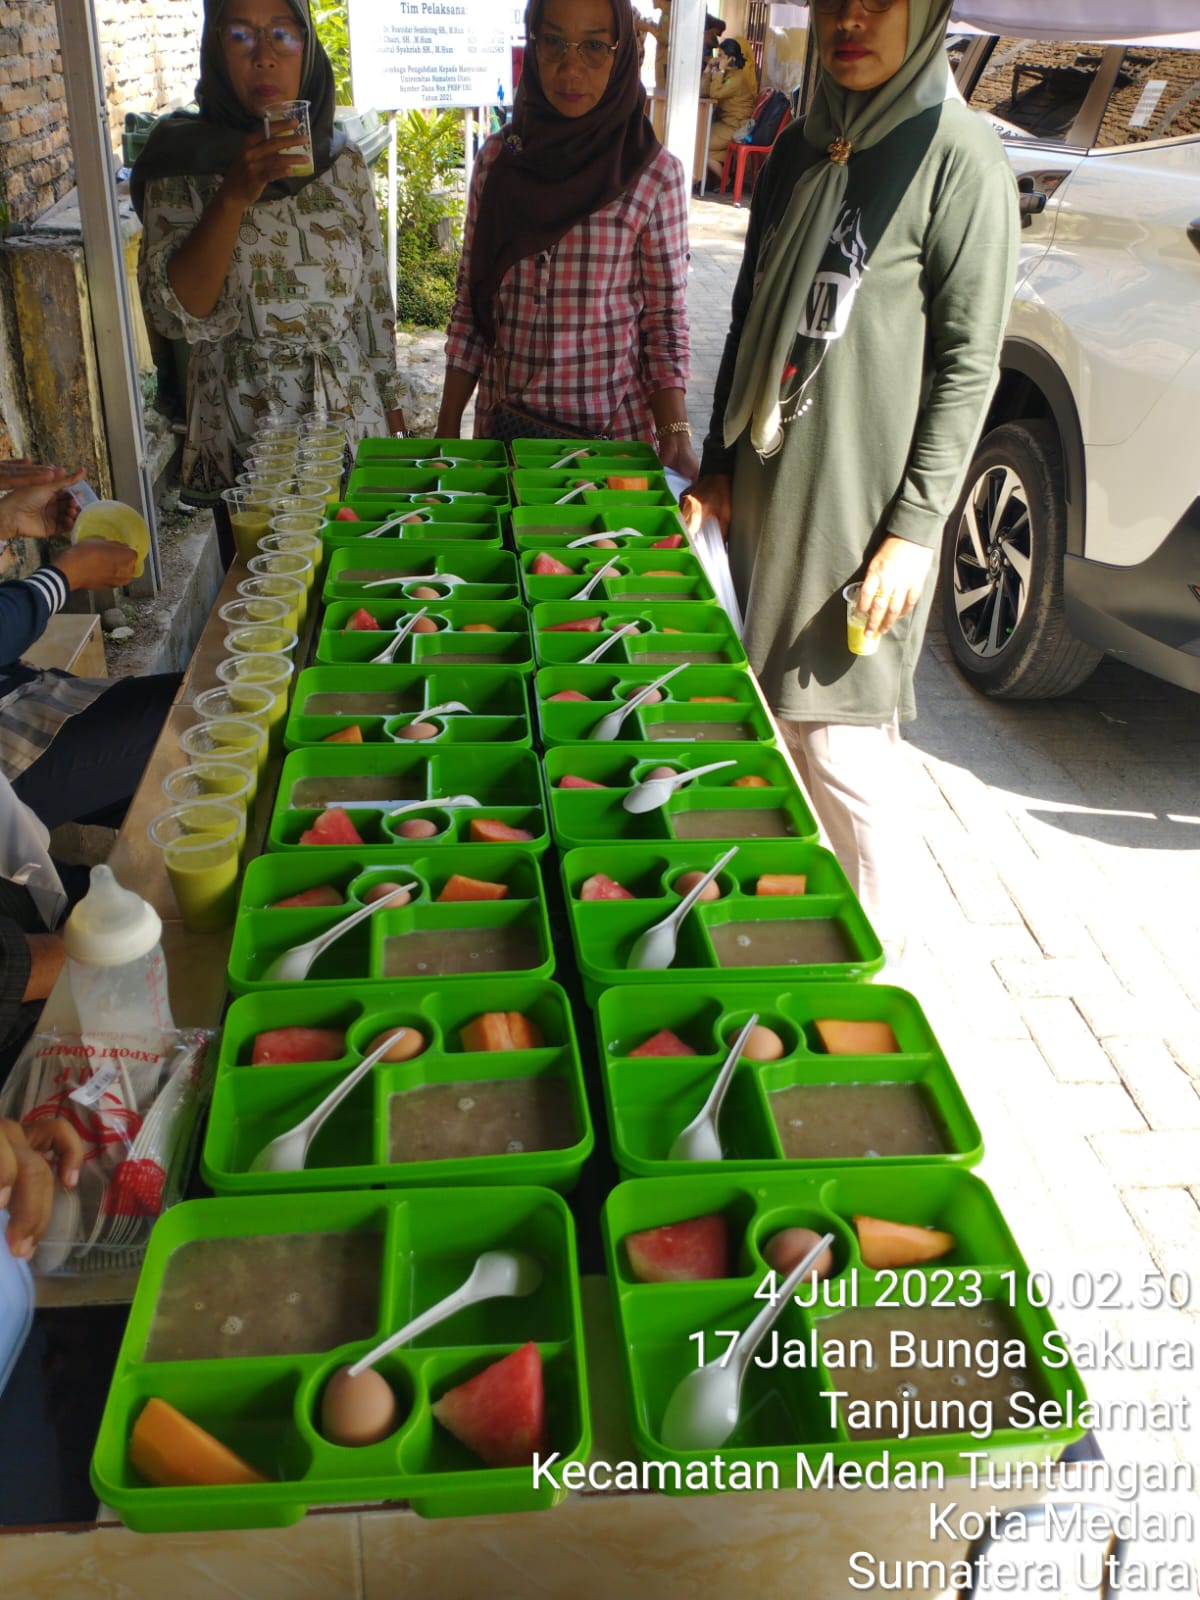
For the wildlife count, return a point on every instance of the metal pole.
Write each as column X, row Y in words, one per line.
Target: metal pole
column 393, row 200
column 468, row 146
column 112, row 322
column 683, row 79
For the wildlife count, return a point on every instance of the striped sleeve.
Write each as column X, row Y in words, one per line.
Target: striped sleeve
column 26, row 607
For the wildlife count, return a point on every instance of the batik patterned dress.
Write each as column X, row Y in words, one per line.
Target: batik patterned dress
column 304, row 323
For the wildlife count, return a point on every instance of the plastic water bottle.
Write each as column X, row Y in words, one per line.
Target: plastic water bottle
column 117, row 974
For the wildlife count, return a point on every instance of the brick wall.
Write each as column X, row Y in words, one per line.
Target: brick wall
column 150, row 50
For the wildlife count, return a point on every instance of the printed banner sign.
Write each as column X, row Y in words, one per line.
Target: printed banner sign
column 406, row 54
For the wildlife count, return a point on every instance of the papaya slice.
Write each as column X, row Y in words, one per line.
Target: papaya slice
column 781, row 883
column 867, row 1038
column 172, row 1452
column 899, row 1244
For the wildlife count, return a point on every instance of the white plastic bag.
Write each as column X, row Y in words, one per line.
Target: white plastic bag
column 713, row 556
column 25, row 856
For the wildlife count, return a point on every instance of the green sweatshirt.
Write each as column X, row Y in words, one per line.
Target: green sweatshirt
column 887, row 392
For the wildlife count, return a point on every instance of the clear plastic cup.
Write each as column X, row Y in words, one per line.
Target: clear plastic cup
column 228, row 739
column 244, row 613
column 286, row 564
column 261, row 639
column 303, row 505
column 858, row 641
column 328, row 486
column 202, row 843
column 273, row 672
column 309, row 522
column 250, row 515
column 289, row 590
column 296, row 112
column 292, row 542
column 210, row 779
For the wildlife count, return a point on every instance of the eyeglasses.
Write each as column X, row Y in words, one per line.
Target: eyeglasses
column 830, row 8
column 284, row 38
column 594, row 53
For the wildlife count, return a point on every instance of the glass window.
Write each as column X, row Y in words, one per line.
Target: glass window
column 1157, row 96
column 1034, row 89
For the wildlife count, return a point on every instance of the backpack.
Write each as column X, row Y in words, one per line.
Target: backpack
column 767, row 122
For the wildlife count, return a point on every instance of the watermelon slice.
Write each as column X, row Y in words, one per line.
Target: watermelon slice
column 486, row 830
column 547, row 566
column 285, row 1045
column 332, row 827
column 601, row 887
column 584, row 625
column 351, row 735
column 323, row 895
column 362, row 622
column 663, row 1043
column 568, row 694
column 500, row 1414
column 501, row 1030
column 672, row 542
column 680, row 1252
column 459, row 887
column 346, row 514
column 570, row 781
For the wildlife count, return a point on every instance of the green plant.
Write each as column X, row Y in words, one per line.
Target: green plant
column 429, row 145
column 333, row 30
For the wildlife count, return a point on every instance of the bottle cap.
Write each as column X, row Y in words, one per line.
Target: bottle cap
column 110, row 925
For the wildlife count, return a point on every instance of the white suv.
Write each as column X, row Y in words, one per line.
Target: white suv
column 1078, row 533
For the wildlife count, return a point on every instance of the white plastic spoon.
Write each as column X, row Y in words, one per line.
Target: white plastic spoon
column 591, row 538
column 288, row 1151
column 705, row 1407
column 610, row 726
column 618, row 633
column 652, row 793
column 596, row 578
column 395, row 522
column 293, row 965
column 699, row 1141
column 452, row 804
column 495, row 1275
column 579, row 488
column 654, row 951
column 446, row 709
column 388, row 653
column 572, row 455
column 448, row 580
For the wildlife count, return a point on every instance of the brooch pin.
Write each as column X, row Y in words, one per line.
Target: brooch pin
column 839, row 152
column 513, row 144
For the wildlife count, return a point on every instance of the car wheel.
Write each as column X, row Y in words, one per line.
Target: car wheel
column 1002, row 570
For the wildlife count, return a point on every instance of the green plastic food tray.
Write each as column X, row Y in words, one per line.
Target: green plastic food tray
column 704, row 635
column 746, row 721
column 497, row 698
column 553, row 527
column 251, row 1105
column 486, row 574
column 266, row 1408
column 604, row 931
column 262, row 933
column 467, row 521
column 605, row 499
column 628, row 582
column 508, row 645
column 531, row 486
column 392, row 452
column 505, row 780
column 465, row 485
column 783, row 1416
column 597, row 816
column 651, row 1098
column 606, row 454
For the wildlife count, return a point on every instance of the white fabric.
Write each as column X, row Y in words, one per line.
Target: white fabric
column 25, row 856
column 1079, row 19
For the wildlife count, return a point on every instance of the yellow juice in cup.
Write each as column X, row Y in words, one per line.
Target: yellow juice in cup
column 248, row 528
column 858, row 641
column 204, row 882
column 111, row 519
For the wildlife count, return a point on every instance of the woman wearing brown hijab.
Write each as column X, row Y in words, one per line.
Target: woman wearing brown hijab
column 276, row 280
column 575, row 250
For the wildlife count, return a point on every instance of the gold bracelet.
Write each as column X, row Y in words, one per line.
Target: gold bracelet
column 665, row 428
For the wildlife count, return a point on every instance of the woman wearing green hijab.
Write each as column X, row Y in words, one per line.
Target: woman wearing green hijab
column 276, row 280
column 860, row 361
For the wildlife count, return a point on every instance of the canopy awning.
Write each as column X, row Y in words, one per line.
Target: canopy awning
column 1170, row 21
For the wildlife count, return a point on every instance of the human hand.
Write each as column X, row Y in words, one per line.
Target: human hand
column 97, row 564
column 26, row 474
column 675, row 451
column 38, row 511
column 263, row 159
column 893, row 583
column 27, row 1176
column 709, row 496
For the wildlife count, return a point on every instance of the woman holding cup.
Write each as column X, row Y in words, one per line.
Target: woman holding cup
column 262, row 244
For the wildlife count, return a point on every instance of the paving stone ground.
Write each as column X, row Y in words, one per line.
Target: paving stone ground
column 1055, row 946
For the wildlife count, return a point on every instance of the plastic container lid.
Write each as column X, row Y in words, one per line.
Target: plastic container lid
column 16, row 1305
column 111, row 925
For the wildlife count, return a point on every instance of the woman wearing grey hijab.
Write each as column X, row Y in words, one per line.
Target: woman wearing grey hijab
column 861, row 358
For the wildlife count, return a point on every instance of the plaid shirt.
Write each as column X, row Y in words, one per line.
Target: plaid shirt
column 595, row 325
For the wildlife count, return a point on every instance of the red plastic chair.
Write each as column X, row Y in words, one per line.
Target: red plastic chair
column 745, row 152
